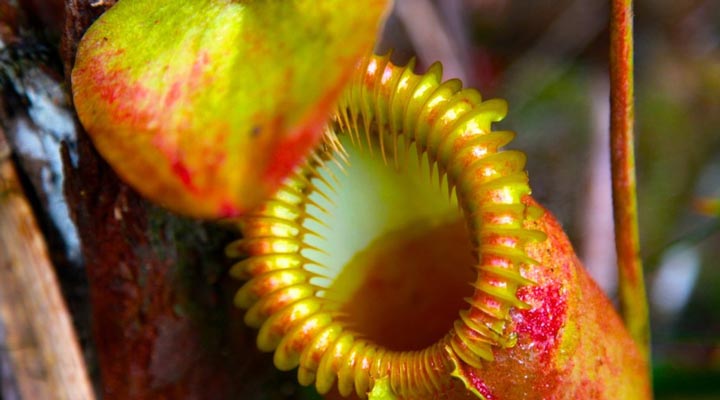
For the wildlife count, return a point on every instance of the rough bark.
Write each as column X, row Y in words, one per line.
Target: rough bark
column 36, row 331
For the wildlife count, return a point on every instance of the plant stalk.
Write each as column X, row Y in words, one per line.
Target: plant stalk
column 633, row 299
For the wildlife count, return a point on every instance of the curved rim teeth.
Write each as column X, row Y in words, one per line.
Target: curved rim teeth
column 449, row 124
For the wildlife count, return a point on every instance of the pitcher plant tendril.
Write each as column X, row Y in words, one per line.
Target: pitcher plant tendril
column 387, row 109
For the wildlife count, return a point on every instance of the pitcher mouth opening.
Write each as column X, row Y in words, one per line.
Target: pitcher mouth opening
column 386, row 245
column 359, row 270
column 397, row 255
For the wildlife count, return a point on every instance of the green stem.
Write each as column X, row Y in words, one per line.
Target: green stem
column 632, row 285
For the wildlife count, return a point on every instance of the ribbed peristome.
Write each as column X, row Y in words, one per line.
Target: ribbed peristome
column 386, row 105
